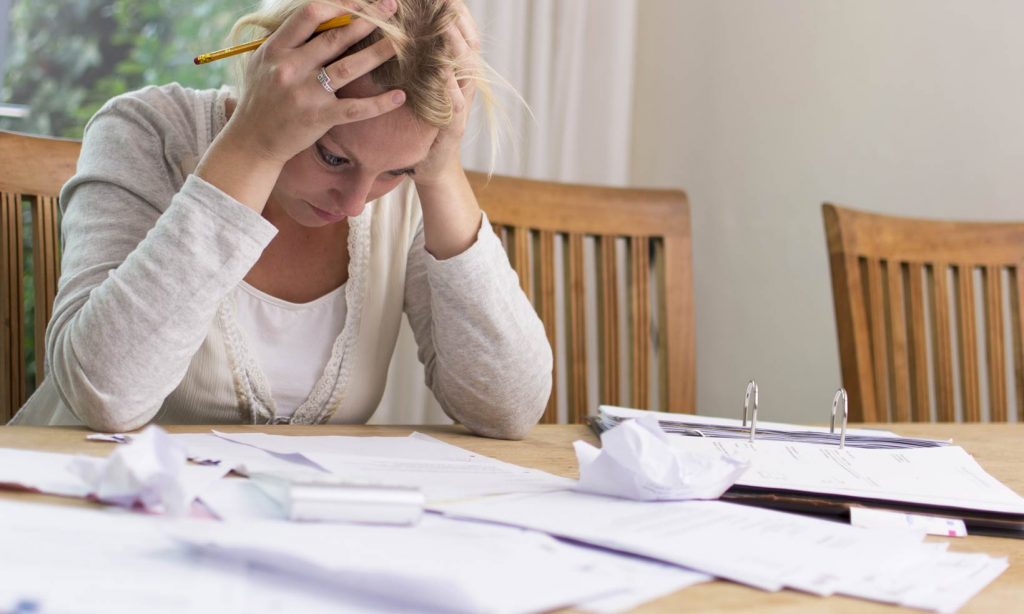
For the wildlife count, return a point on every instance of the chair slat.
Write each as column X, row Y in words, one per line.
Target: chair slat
column 1017, row 332
column 640, row 318
column 661, row 341
column 12, row 307
column 576, row 324
column 994, row 342
column 900, row 372
column 545, row 265
column 941, row 342
column 970, row 391
column 46, row 271
column 608, row 312
column 918, row 342
column 879, row 344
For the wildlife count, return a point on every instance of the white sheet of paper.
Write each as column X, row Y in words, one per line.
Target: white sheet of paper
column 412, row 447
column 871, row 518
column 442, row 471
column 440, row 563
column 41, row 471
column 945, row 476
column 637, row 461
column 242, row 458
column 762, row 548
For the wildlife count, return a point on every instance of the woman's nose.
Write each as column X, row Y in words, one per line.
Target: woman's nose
column 351, row 198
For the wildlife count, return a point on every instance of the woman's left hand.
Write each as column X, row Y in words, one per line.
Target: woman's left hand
column 444, row 158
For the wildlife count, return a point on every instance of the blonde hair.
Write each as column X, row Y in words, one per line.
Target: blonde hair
column 422, row 62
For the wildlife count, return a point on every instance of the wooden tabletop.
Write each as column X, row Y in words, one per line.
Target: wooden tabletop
column 998, row 447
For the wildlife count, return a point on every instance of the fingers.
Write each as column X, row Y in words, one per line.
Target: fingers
column 467, row 26
column 301, row 24
column 465, row 56
column 349, row 110
column 329, row 44
column 351, row 67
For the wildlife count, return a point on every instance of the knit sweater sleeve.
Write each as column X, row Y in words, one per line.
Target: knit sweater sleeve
column 149, row 253
column 485, row 353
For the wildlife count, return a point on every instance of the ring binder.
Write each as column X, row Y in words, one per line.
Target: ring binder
column 840, row 394
column 751, row 387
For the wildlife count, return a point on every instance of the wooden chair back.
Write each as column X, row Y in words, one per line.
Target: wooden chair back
column 910, row 296
column 624, row 259
column 32, row 171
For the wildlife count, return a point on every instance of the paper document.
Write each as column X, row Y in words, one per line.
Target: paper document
column 637, row 461
column 443, row 472
column 944, row 476
column 870, row 518
column 46, row 472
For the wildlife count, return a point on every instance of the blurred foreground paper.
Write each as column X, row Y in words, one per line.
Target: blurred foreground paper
column 151, row 471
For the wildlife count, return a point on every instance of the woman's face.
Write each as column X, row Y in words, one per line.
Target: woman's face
column 351, row 165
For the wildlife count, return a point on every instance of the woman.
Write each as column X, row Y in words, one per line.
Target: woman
column 248, row 260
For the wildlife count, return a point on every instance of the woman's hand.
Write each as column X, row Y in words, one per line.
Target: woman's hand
column 285, row 109
column 451, row 215
column 444, row 161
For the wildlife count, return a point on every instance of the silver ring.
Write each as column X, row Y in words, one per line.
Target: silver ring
column 324, row 80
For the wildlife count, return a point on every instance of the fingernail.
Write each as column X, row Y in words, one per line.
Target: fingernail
column 398, row 97
column 387, row 5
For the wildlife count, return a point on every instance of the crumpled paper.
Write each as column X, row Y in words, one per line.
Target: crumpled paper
column 637, row 461
column 151, row 472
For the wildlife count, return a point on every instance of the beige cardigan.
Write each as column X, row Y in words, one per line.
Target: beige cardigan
column 144, row 326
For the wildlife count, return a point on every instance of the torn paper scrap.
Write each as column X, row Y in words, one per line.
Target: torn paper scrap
column 151, row 471
column 637, row 461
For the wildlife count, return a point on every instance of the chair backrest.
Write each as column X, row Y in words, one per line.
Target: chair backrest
column 32, row 171
column 625, row 264
column 910, row 296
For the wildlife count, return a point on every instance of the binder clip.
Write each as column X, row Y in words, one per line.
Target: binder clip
column 751, row 390
column 840, row 394
column 333, row 500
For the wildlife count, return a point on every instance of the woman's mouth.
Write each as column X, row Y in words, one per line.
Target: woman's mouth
column 325, row 216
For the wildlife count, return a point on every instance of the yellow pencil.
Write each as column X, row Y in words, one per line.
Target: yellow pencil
column 206, row 58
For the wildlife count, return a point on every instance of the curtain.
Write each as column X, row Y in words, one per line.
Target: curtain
column 572, row 63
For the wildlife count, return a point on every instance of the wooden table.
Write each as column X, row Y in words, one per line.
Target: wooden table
column 998, row 447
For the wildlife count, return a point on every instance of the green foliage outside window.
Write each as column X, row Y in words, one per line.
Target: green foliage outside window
column 66, row 58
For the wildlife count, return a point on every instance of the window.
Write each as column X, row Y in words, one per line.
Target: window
column 65, row 58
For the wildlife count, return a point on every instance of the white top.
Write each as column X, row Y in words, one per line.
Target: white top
column 291, row 342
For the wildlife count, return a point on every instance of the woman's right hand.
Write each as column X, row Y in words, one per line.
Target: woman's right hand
column 285, row 109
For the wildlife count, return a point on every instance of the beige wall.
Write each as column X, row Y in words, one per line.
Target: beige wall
column 763, row 109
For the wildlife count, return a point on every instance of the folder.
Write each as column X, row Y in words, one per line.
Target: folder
column 820, row 471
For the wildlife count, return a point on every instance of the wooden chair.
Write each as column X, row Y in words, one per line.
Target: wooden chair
column 907, row 312
column 630, row 234
column 32, row 171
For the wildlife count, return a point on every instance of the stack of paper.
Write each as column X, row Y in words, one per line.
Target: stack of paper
column 944, row 480
column 708, row 426
column 762, row 548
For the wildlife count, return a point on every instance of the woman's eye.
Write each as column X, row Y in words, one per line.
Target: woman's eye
column 329, row 158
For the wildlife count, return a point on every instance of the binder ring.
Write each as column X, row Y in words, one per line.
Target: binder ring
column 751, row 390
column 840, row 394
